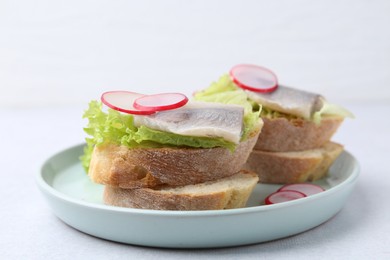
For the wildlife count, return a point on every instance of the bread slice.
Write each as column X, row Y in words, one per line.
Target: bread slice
column 285, row 135
column 293, row 167
column 226, row 193
column 149, row 167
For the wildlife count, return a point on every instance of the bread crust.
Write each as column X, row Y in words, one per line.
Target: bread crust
column 149, row 167
column 293, row 167
column 225, row 197
column 297, row 134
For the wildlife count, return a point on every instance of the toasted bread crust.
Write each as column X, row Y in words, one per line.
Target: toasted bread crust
column 283, row 135
column 293, row 167
column 149, row 167
column 226, row 196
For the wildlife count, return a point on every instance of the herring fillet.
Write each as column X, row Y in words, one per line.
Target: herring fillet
column 290, row 101
column 198, row 119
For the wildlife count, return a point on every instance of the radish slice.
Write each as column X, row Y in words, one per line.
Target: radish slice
column 254, row 78
column 306, row 188
column 123, row 101
column 283, row 196
column 160, row 102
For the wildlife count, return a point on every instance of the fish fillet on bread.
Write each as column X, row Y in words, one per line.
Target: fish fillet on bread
column 295, row 142
column 192, row 148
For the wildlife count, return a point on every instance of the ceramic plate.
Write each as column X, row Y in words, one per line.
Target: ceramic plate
column 78, row 202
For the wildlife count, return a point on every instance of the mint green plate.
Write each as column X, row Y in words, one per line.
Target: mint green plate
column 78, row 202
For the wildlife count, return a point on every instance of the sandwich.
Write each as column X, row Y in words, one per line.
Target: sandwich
column 295, row 142
column 180, row 155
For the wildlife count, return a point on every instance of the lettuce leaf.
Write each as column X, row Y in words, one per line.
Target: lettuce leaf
column 330, row 109
column 118, row 128
column 226, row 92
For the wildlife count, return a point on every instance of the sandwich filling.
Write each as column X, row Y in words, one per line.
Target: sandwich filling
column 283, row 102
column 196, row 125
column 290, row 101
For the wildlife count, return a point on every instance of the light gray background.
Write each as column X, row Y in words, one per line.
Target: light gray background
column 68, row 52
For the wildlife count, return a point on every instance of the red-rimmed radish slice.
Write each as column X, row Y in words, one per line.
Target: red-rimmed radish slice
column 123, row 101
column 254, row 78
column 306, row 188
column 160, row 102
column 283, row 196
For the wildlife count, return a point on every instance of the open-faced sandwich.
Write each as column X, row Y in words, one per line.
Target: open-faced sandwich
column 294, row 144
column 167, row 153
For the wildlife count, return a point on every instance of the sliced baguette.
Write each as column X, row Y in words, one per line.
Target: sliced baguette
column 148, row 167
column 293, row 167
column 284, row 135
column 226, row 193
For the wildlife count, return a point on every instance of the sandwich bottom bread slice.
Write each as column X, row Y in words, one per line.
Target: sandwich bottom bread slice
column 226, row 193
column 293, row 167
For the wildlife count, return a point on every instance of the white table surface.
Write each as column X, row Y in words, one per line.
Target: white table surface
column 29, row 230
